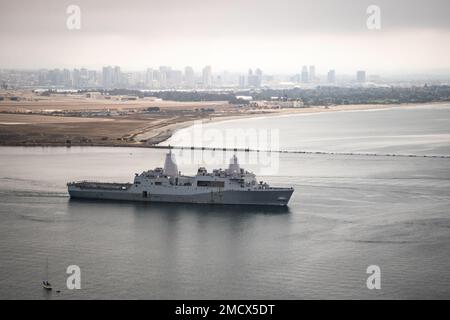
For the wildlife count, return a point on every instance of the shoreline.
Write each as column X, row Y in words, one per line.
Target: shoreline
column 297, row 111
column 155, row 135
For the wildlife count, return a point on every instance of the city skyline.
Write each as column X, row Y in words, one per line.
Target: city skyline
column 167, row 77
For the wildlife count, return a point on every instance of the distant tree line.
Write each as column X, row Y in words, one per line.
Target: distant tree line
column 374, row 95
column 322, row 95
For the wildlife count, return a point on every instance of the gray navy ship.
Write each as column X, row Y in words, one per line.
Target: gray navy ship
column 230, row 186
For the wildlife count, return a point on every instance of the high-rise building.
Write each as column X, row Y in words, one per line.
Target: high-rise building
column 207, row 77
column 163, row 76
column 107, row 77
column 304, row 75
column 76, row 78
column 149, row 78
column 117, row 77
column 254, row 79
column 126, row 79
column 258, row 77
column 189, row 77
column 361, row 76
column 92, row 78
column 83, row 82
column 242, row 81
column 67, row 79
column 226, row 78
column 331, row 77
column 55, row 77
column 156, row 77
column 174, row 78
column 312, row 73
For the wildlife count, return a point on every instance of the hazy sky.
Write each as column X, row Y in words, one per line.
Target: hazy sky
column 277, row 36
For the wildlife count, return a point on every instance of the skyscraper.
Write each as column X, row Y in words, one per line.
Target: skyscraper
column 156, row 78
column 76, row 78
column 361, row 76
column 175, row 78
column 107, row 77
column 67, row 79
column 304, row 76
column 331, row 77
column 312, row 73
column 258, row 77
column 55, row 76
column 83, row 82
column 92, row 78
column 149, row 78
column 163, row 76
column 189, row 77
column 254, row 79
column 207, row 77
column 117, row 77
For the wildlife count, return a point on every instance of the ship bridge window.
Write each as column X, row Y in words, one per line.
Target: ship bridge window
column 158, row 183
column 215, row 184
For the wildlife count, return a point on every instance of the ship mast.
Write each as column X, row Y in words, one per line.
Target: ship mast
column 234, row 167
column 170, row 165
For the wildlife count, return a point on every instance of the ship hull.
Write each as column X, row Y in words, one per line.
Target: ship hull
column 271, row 197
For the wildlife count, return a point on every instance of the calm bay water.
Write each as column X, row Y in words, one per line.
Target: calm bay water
column 348, row 212
column 421, row 130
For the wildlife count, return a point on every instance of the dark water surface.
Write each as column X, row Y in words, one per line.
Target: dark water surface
column 348, row 212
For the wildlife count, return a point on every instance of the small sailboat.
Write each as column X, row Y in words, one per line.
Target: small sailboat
column 45, row 283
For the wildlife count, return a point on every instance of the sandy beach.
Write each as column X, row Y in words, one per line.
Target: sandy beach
column 165, row 132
